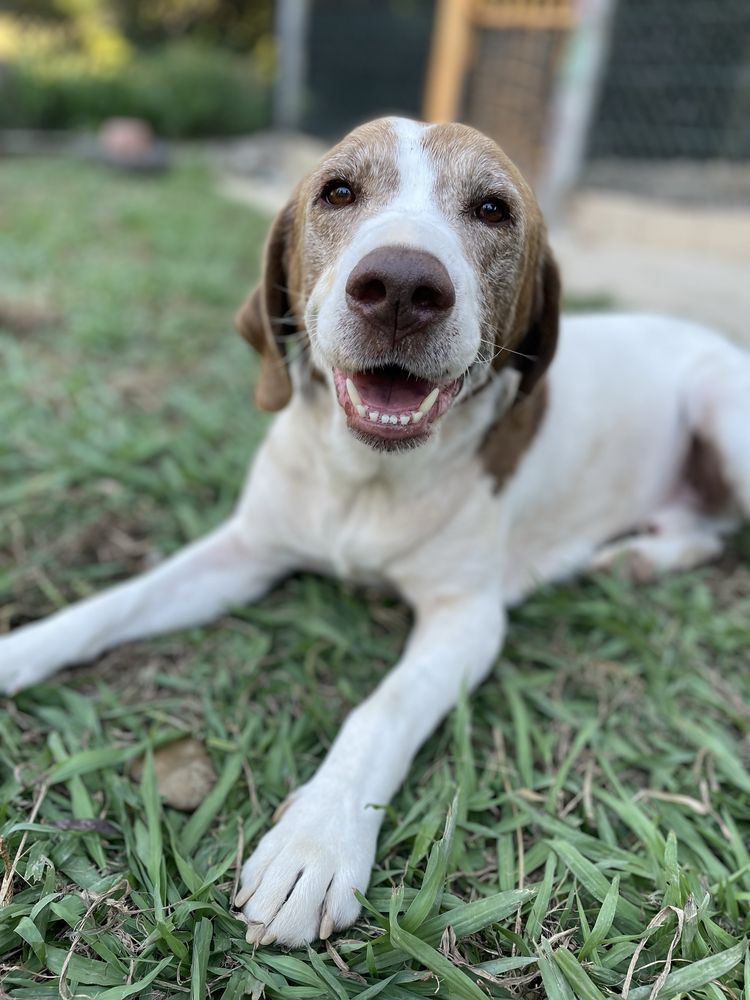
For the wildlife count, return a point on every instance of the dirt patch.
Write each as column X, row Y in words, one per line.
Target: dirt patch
column 24, row 319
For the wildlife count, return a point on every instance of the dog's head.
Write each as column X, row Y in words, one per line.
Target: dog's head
column 411, row 265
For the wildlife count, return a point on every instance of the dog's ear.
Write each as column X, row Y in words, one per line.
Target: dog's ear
column 263, row 316
column 540, row 341
column 542, row 321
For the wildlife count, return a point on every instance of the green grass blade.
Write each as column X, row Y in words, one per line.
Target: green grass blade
column 692, row 977
column 603, row 922
column 137, row 988
column 594, row 881
column 541, row 903
column 555, row 984
column 333, row 986
column 475, row 916
column 154, row 847
column 577, row 977
column 202, row 818
column 202, row 935
column 431, row 889
column 458, row 983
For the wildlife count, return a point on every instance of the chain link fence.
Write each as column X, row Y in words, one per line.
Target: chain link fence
column 658, row 91
column 673, row 115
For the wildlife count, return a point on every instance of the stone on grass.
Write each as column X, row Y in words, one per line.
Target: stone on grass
column 184, row 773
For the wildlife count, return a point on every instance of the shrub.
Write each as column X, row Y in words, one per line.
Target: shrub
column 183, row 89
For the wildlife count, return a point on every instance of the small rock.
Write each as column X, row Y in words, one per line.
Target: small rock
column 23, row 318
column 126, row 138
column 130, row 144
column 184, row 773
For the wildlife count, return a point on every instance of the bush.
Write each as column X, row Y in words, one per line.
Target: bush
column 183, row 90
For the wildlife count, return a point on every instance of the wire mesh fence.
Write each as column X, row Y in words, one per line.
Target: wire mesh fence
column 670, row 102
column 673, row 115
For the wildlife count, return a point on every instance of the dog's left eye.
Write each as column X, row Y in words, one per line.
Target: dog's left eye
column 337, row 193
column 492, row 211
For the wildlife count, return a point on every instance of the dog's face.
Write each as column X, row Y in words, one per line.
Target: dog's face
column 414, row 259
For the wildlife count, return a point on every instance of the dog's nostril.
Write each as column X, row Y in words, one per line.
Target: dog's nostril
column 427, row 297
column 370, row 292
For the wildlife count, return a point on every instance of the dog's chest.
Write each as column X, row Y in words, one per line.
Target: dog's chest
column 362, row 533
column 344, row 510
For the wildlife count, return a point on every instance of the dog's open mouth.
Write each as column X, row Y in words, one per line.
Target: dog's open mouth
column 391, row 403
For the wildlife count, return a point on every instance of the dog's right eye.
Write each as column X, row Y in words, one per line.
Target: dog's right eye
column 337, row 193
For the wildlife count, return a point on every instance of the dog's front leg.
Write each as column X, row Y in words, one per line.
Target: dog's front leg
column 299, row 884
column 234, row 564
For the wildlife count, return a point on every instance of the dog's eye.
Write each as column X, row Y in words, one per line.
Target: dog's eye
column 492, row 211
column 337, row 193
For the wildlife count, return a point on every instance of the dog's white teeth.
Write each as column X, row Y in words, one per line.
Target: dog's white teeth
column 428, row 402
column 391, row 419
column 353, row 394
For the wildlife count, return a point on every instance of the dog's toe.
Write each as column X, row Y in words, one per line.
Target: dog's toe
column 299, row 883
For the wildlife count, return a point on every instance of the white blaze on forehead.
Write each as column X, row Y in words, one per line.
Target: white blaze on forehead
column 415, row 169
column 412, row 216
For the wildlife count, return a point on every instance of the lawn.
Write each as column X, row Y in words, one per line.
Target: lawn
column 579, row 829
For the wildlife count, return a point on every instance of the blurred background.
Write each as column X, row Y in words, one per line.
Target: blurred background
column 630, row 117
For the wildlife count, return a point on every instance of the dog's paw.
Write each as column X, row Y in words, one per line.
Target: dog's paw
column 299, row 883
column 625, row 559
column 24, row 659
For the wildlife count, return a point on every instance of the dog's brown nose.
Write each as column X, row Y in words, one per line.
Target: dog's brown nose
column 400, row 290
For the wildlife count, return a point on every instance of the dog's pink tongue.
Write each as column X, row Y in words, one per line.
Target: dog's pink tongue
column 386, row 391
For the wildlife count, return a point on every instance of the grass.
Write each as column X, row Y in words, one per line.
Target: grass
column 580, row 829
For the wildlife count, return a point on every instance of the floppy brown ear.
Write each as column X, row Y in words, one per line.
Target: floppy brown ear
column 540, row 341
column 262, row 317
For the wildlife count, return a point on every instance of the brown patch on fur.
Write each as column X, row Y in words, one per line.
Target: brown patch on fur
column 508, row 438
column 705, row 475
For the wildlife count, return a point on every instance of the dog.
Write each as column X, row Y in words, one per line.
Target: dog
column 435, row 437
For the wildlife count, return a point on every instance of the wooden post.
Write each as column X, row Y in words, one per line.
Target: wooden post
column 574, row 105
column 449, row 56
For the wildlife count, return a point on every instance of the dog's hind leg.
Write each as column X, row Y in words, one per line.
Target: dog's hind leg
column 718, row 406
column 713, row 497
column 230, row 566
column 645, row 556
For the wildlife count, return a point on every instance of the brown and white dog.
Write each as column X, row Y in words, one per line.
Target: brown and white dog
column 406, row 318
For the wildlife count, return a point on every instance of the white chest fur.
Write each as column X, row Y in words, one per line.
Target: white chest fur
column 346, row 510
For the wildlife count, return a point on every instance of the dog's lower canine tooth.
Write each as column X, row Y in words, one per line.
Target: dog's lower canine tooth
column 429, row 401
column 353, row 394
column 373, row 415
column 361, row 410
column 417, row 416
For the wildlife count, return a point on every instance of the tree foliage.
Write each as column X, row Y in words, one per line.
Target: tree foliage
column 236, row 24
